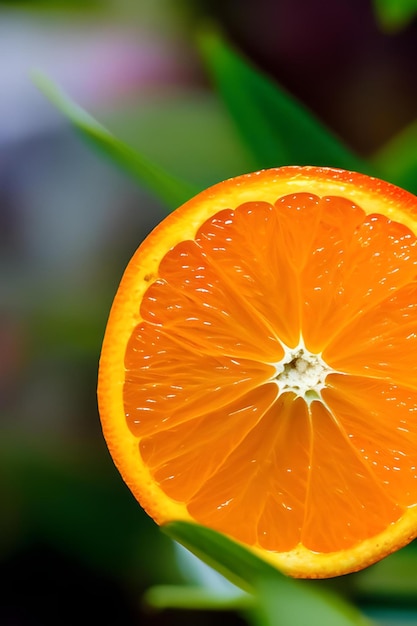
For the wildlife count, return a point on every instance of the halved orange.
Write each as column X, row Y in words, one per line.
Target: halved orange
column 259, row 368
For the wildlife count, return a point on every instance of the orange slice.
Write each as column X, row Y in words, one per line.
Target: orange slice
column 258, row 373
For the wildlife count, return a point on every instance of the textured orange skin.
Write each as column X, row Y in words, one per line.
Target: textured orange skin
column 374, row 196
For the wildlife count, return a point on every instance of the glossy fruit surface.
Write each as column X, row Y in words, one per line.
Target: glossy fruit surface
column 258, row 370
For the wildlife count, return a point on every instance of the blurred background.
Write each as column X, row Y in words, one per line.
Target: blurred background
column 75, row 547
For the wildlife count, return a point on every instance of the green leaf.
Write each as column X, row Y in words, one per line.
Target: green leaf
column 277, row 129
column 395, row 14
column 397, row 160
column 299, row 603
column 171, row 190
column 278, row 600
column 236, row 563
column 195, row 598
column 187, row 131
column 391, row 581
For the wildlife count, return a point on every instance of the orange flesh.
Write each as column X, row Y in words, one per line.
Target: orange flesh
column 201, row 393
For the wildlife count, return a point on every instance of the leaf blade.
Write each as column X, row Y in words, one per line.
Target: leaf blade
column 235, row 562
column 397, row 160
column 194, row 598
column 299, row 603
column 277, row 599
column 277, row 129
column 171, row 190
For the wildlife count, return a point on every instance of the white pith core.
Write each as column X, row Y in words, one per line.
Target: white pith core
column 301, row 372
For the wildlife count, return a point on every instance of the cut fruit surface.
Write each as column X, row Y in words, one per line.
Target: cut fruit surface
column 258, row 371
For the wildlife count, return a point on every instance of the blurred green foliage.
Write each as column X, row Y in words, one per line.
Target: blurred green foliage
column 395, row 14
column 275, row 130
column 86, row 512
column 170, row 189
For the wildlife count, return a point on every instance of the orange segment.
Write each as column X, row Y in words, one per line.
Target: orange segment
column 350, row 276
column 224, row 432
column 381, row 343
column 390, row 453
column 281, row 442
column 257, row 373
column 194, row 302
column 344, row 500
column 152, row 364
